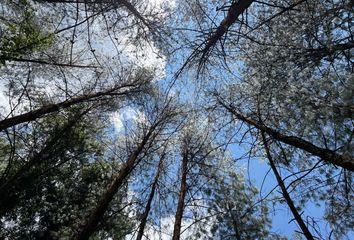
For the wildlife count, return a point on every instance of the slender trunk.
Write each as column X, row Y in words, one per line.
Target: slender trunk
column 44, row 62
column 236, row 9
column 344, row 161
column 234, row 224
column 148, row 204
column 50, row 108
column 136, row 13
column 96, row 215
column 181, row 199
column 285, row 193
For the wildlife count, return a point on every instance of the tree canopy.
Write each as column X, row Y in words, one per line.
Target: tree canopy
column 182, row 119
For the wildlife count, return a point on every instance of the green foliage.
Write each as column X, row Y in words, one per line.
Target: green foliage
column 238, row 215
column 292, row 69
column 52, row 199
column 23, row 37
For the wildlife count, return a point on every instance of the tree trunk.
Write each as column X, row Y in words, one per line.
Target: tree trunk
column 285, row 193
column 95, row 217
column 44, row 62
column 344, row 161
column 181, row 199
column 50, row 108
column 234, row 224
column 148, row 204
column 236, row 9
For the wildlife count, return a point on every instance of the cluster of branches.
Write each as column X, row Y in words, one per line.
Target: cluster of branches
column 279, row 95
column 67, row 172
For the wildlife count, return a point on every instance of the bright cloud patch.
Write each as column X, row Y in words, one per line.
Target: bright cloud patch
column 121, row 117
column 166, row 231
column 127, row 116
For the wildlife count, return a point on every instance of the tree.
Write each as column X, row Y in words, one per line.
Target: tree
column 21, row 177
column 155, row 126
column 237, row 213
column 328, row 155
column 125, row 89
column 285, row 193
column 163, row 119
column 294, row 82
column 22, row 36
column 151, row 197
column 49, row 199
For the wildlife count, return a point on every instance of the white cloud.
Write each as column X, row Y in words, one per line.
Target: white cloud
column 166, row 231
column 127, row 115
column 4, row 103
column 120, row 117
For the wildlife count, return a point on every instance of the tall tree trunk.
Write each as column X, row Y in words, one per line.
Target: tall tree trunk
column 344, row 161
column 235, row 10
column 55, row 107
column 234, row 224
column 285, row 193
column 148, row 204
column 96, row 215
column 181, row 199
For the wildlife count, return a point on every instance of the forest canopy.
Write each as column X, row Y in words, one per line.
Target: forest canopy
column 181, row 119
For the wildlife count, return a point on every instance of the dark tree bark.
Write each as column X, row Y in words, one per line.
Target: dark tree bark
column 330, row 156
column 285, row 193
column 181, row 199
column 50, row 108
column 234, row 224
column 96, row 215
column 203, row 50
column 317, row 54
column 236, row 9
column 149, row 201
column 44, row 62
